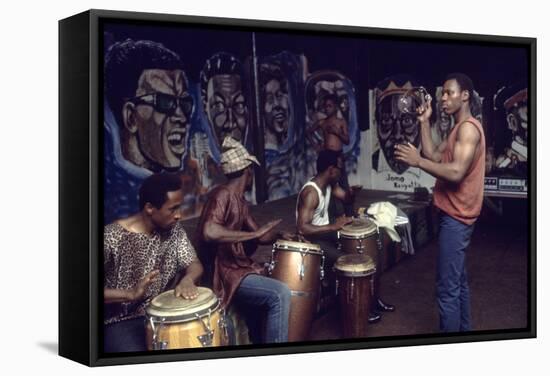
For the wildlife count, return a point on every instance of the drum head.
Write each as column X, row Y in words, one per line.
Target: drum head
column 355, row 265
column 297, row 246
column 174, row 308
column 359, row 228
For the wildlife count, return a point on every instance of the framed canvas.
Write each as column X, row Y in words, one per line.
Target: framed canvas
column 144, row 95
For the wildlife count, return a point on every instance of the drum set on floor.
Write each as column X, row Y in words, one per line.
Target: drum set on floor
column 173, row 323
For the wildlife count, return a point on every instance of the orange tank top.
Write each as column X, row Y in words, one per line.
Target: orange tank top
column 463, row 200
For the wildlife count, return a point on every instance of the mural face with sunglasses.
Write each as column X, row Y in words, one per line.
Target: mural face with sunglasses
column 158, row 118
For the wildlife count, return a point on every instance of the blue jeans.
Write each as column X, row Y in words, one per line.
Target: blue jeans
column 453, row 294
column 127, row 335
column 257, row 295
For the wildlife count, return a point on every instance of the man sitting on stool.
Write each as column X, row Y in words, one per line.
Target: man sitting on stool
column 312, row 217
column 229, row 234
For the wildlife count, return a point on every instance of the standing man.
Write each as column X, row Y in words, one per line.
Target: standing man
column 459, row 166
column 335, row 130
column 228, row 232
column 142, row 254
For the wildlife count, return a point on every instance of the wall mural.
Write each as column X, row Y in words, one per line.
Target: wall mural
column 161, row 115
column 319, row 86
column 281, row 80
column 147, row 118
column 510, row 106
column 389, row 127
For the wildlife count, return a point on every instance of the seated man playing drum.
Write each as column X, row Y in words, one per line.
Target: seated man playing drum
column 312, row 216
column 142, row 255
column 228, row 232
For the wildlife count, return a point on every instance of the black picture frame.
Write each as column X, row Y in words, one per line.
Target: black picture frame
column 80, row 185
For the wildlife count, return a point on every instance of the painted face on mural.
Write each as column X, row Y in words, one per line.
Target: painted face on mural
column 276, row 107
column 159, row 117
column 226, row 107
column 344, row 105
column 517, row 121
column 444, row 121
column 395, row 127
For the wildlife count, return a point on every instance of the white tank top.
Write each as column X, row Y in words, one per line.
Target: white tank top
column 320, row 215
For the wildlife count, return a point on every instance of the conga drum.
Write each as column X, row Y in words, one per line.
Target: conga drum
column 362, row 237
column 176, row 323
column 354, row 288
column 300, row 266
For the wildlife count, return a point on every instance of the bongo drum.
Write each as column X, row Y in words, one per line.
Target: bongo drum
column 354, row 287
column 175, row 323
column 300, row 266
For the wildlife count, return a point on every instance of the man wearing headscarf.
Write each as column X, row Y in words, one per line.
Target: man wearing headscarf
column 228, row 233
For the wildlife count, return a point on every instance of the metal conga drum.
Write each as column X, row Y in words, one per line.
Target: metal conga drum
column 354, row 285
column 300, row 266
column 362, row 237
column 177, row 323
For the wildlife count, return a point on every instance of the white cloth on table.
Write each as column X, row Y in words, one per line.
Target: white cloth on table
column 384, row 214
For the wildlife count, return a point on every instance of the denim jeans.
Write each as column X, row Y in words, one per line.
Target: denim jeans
column 123, row 336
column 259, row 297
column 453, row 294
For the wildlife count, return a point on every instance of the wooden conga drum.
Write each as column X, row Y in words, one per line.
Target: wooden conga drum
column 362, row 237
column 176, row 323
column 300, row 266
column 354, row 285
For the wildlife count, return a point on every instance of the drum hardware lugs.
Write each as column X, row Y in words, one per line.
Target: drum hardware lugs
column 322, row 271
column 222, row 324
column 157, row 345
column 206, row 338
column 359, row 248
column 302, row 267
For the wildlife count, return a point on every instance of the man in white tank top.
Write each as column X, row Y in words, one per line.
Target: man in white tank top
column 312, row 216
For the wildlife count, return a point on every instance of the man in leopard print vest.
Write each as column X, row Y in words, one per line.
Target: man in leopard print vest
column 142, row 254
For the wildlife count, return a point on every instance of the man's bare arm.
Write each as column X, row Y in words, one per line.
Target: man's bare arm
column 308, row 201
column 267, row 238
column 214, row 232
column 187, row 286
column 344, row 133
column 136, row 293
column 467, row 141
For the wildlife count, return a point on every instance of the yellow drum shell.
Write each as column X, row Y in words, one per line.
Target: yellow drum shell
column 181, row 323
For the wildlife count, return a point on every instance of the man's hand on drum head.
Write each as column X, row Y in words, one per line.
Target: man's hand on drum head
column 186, row 289
column 288, row 235
column 342, row 221
column 137, row 292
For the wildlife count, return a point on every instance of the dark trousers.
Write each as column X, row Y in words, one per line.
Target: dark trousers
column 329, row 245
column 453, row 294
column 124, row 336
